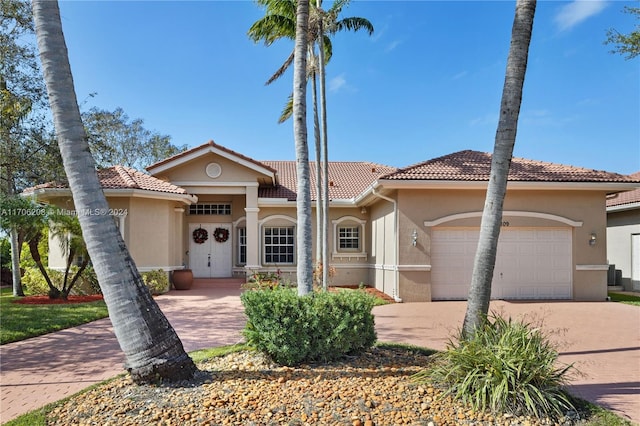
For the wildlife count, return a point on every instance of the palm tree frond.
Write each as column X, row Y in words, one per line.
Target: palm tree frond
column 328, row 48
column 287, row 63
column 287, row 111
column 279, row 7
column 350, row 24
column 270, row 28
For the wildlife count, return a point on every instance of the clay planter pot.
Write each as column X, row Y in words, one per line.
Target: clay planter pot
column 182, row 279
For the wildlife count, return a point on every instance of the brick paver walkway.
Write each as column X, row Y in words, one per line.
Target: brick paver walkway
column 602, row 339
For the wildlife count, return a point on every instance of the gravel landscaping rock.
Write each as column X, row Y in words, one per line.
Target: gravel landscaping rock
column 244, row 388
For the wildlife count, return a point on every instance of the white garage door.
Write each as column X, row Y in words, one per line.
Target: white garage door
column 532, row 263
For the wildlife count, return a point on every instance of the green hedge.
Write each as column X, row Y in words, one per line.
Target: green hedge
column 321, row 327
column 157, row 281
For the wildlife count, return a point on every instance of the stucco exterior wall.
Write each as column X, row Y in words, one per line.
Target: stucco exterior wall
column 417, row 206
column 195, row 171
column 382, row 260
column 621, row 225
column 150, row 225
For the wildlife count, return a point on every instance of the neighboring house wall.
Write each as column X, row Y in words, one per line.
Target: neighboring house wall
column 622, row 227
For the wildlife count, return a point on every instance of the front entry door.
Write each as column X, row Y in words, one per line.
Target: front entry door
column 211, row 259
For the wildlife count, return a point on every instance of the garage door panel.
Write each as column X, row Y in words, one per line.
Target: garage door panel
column 530, row 263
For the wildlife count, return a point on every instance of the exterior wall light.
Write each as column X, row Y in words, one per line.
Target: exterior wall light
column 592, row 239
column 414, row 238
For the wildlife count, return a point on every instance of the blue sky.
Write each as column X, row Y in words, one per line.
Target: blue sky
column 427, row 83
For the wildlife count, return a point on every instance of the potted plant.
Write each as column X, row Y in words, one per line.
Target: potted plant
column 182, row 279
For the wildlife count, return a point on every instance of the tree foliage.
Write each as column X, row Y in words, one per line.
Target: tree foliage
column 115, row 139
column 27, row 148
column 278, row 23
column 626, row 44
column 32, row 220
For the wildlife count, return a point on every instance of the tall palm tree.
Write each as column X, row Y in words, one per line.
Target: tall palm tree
column 484, row 263
column 152, row 348
column 279, row 22
column 303, row 200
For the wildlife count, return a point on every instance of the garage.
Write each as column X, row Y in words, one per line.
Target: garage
column 532, row 263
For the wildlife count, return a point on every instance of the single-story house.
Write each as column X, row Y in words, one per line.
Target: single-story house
column 410, row 232
column 623, row 238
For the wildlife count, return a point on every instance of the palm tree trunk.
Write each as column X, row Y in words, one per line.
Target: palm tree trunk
column 484, row 263
column 318, row 182
column 152, row 348
column 35, row 255
column 325, row 152
column 15, row 262
column 76, row 277
column 303, row 202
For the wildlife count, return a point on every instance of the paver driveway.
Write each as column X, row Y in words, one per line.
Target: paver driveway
column 602, row 339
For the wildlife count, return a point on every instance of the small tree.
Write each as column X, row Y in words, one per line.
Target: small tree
column 30, row 221
column 66, row 229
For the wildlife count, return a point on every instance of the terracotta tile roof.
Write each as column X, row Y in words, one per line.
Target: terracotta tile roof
column 211, row 144
column 628, row 197
column 346, row 179
column 475, row 166
column 121, row 177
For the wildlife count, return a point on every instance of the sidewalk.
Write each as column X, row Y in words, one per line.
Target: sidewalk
column 45, row 369
column 602, row 339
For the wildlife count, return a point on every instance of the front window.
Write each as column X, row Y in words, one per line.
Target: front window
column 279, row 245
column 210, row 209
column 242, row 246
column 349, row 238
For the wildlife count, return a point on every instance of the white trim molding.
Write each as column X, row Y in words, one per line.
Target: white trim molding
column 346, row 254
column 414, row 268
column 622, row 207
column 351, row 265
column 513, row 213
column 592, row 267
column 385, row 267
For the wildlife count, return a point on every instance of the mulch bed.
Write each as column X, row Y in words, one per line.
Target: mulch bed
column 45, row 300
column 371, row 290
column 374, row 388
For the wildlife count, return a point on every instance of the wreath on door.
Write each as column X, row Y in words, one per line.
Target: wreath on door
column 200, row 235
column 221, row 235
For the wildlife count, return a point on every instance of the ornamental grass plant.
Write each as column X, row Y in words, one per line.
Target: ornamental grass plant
column 506, row 366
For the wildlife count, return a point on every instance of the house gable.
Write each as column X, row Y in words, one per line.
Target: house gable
column 213, row 165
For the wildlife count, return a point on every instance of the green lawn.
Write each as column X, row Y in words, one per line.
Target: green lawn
column 19, row 322
column 625, row 298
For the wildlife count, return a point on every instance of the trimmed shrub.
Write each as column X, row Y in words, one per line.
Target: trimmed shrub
column 322, row 326
column 34, row 283
column 157, row 281
column 507, row 367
